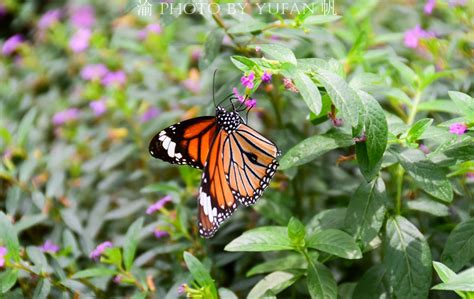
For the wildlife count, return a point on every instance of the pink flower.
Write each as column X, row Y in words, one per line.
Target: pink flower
column 454, row 3
column 98, row 107
column 49, row 18
column 65, row 116
column 470, row 177
column 118, row 279
column 12, row 44
column 247, row 81
column 196, row 54
column 150, row 29
column 192, row 84
column 249, row 102
column 160, row 233
column 413, row 36
column 117, row 78
column 424, row 149
column 97, row 252
column 457, row 128
column 83, row 17
column 289, row 85
column 94, row 71
column 80, row 40
column 3, row 253
column 182, row 288
column 429, row 6
column 149, row 114
column 258, row 49
column 49, row 246
column 266, row 77
column 159, row 204
column 236, row 93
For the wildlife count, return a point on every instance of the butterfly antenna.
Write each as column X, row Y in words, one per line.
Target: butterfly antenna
column 225, row 99
column 247, row 115
column 213, row 87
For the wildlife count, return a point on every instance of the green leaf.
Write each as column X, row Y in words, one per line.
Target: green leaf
column 245, row 27
column 293, row 261
column 407, row 74
column 344, row 98
column 371, row 285
column 444, row 273
column 438, row 105
column 112, row 256
column 335, row 242
column 418, row 128
column 296, row 232
column 116, row 157
column 200, row 274
column 243, row 63
column 94, row 272
column 331, row 218
column 211, row 48
column 313, row 147
column 459, row 248
column 320, row 19
column 321, row 283
column 366, row 211
column 38, row 258
column 407, row 259
column 272, row 284
column 427, row 175
column 225, row 293
column 461, row 151
column 131, row 242
column 428, row 206
column 462, row 282
column 24, row 128
column 269, row 238
column 28, row 221
column 42, row 289
column 464, row 102
column 309, row 91
column 370, row 152
column 9, row 238
column 273, row 210
column 278, row 52
column 7, row 280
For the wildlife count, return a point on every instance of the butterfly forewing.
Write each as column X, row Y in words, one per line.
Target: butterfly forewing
column 186, row 143
column 249, row 163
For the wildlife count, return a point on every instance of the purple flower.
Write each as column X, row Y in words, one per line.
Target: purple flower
column 117, row 78
column 65, row 116
column 80, row 40
column 98, row 107
column 429, row 6
column 453, row 3
column 413, row 36
column 149, row 114
column 12, row 44
column 49, row 18
column 49, row 246
column 3, row 11
column 3, row 253
column 362, row 138
column 470, row 176
column 258, row 49
column 266, row 77
column 160, row 233
column 118, row 279
column 424, row 149
column 289, row 85
column 236, row 93
column 94, row 71
column 247, row 81
column 196, row 54
column 457, row 128
column 182, row 288
column 249, row 102
column 83, row 17
column 158, row 205
column 150, row 29
column 97, row 252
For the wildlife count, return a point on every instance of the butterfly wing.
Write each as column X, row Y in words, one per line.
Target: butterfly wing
column 187, row 142
column 249, row 163
column 216, row 201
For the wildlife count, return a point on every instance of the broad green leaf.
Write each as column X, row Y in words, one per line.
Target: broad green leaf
column 200, row 274
column 418, row 128
column 246, row 27
column 272, row 284
column 407, row 74
column 464, row 103
column 459, row 248
column 273, row 210
column 278, row 52
column 428, row 206
column 211, row 48
column 331, row 218
column 296, row 232
column 370, row 152
column 309, row 91
column 269, row 238
column 225, row 293
column 42, row 289
column 444, row 273
column 438, row 105
column 131, row 242
column 321, row 283
column 461, row 282
column 371, row 285
column 344, row 98
column 70, row 218
column 335, row 242
column 112, row 256
column 37, row 257
column 427, row 175
column 28, row 221
column 94, row 272
column 313, row 147
column 366, row 211
column 461, row 151
column 25, row 126
column 407, row 259
column 293, row 261
column 243, row 63
column 8, row 237
column 7, row 280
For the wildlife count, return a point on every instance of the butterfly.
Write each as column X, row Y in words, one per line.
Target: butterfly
column 237, row 161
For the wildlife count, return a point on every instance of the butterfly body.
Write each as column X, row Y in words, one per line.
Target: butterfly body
column 237, row 162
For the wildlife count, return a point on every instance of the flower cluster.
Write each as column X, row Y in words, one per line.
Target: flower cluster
column 99, row 250
column 414, row 35
column 458, row 128
column 3, row 253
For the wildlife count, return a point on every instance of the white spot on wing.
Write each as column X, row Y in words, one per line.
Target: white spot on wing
column 171, row 149
column 166, row 142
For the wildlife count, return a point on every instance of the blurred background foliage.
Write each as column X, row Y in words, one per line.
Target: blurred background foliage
column 85, row 85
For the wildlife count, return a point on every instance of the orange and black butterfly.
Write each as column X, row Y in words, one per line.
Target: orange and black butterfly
column 237, row 162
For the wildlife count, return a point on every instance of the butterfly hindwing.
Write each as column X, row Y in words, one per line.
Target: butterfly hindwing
column 249, row 163
column 215, row 201
column 186, row 143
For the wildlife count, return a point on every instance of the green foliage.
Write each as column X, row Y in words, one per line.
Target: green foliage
column 373, row 115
